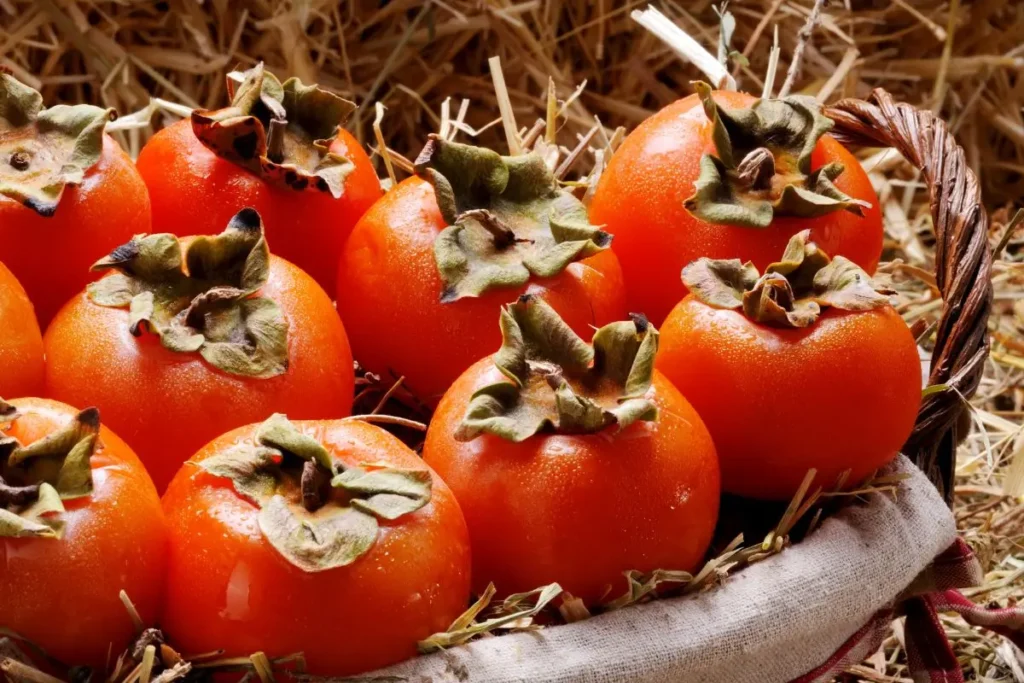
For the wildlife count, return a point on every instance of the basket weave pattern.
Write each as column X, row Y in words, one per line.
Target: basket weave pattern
column 963, row 266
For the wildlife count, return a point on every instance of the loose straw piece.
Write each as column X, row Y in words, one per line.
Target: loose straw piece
column 801, row 44
column 264, row 669
column 849, row 59
column 381, row 147
column 552, row 113
column 388, row 394
column 133, row 613
column 387, row 419
column 508, row 118
column 459, row 118
column 773, row 66
column 939, row 89
column 1008, row 232
column 446, row 115
column 143, row 117
column 576, row 152
column 148, row 657
column 17, row 671
column 683, row 45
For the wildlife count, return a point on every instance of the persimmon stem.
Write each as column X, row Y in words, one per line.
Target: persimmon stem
column 503, row 235
column 756, row 169
column 275, row 141
column 314, row 481
column 19, row 161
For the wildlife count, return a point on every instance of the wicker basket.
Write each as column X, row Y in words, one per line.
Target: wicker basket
column 815, row 608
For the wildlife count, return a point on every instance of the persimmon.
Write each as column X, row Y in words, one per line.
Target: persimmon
column 726, row 175
column 425, row 272
column 80, row 521
column 182, row 343
column 21, row 343
column 806, row 366
column 278, row 148
column 574, row 463
column 326, row 537
column 68, row 194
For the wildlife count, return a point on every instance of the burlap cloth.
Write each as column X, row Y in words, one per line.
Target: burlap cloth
column 772, row 622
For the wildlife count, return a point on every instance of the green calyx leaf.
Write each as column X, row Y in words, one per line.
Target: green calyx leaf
column 36, row 479
column 792, row 292
column 762, row 166
column 317, row 512
column 44, row 150
column 558, row 383
column 203, row 299
column 508, row 219
column 282, row 132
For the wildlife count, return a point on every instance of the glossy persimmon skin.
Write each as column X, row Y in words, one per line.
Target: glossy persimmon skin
column 229, row 589
column 194, row 192
column 21, row 343
column 579, row 509
column 63, row 594
column 389, row 296
column 840, row 394
column 51, row 256
column 167, row 404
column 640, row 197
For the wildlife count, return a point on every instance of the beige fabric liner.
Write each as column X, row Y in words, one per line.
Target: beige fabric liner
column 771, row 622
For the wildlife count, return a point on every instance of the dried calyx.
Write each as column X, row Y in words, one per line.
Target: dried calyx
column 282, row 132
column 316, row 511
column 762, row 167
column 202, row 298
column 792, row 292
column 37, row 478
column 44, row 150
column 508, row 219
column 557, row 383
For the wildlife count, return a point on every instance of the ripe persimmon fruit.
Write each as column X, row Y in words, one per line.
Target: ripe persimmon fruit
column 326, row 537
column 181, row 343
column 80, row 521
column 68, row 194
column 722, row 175
column 574, row 463
column 278, row 148
column 425, row 272
column 806, row 366
column 21, row 343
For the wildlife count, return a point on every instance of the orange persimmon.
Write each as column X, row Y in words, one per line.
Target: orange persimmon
column 804, row 367
column 425, row 272
column 69, row 544
column 681, row 187
column 574, row 463
column 310, row 195
column 68, row 194
column 384, row 561
column 21, row 344
column 183, row 343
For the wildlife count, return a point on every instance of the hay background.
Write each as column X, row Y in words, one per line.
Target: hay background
column 962, row 59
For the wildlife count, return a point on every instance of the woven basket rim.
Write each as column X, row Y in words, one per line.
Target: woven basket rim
column 963, row 266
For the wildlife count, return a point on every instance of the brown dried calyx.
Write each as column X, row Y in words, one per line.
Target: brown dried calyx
column 282, row 132
column 44, row 150
column 37, row 478
column 317, row 512
column 202, row 298
column 557, row 383
column 508, row 219
column 763, row 164
column 792, row 292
